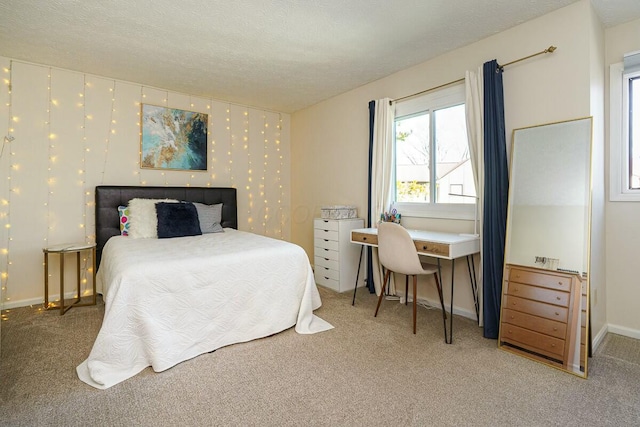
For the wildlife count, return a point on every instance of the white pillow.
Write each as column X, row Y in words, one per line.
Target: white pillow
column 143, row 218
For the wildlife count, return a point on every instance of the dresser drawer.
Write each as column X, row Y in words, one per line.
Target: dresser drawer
column 326, row 244
column 323, row 224
column 325, row 234
column 327, row 272
column 371, row 239
column 326, row 262
column 536, row 293
column 327, row 253
column 537, row 308
column 550, row 346
column 539, row 324
column 547, row 280
column 432, row 248
column 327, row 282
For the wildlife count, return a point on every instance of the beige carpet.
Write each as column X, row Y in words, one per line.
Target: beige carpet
column 367, row 371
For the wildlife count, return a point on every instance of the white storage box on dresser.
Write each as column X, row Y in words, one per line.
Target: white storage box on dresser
column 335, row 257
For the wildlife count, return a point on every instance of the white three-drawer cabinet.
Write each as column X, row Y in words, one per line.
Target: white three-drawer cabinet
column 335, row 257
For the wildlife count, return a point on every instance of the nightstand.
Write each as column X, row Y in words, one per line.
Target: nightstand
column 61, row 251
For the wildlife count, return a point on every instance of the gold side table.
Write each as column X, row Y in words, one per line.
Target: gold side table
column 62, row 250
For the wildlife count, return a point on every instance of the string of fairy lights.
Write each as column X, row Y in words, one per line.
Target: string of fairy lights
column 249, row 187
column 106, row 153
column 279, row 177
column 6, row 202
column 263, row 188
column 50, row 147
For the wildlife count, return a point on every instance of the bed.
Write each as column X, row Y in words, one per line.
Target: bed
column 169, row 300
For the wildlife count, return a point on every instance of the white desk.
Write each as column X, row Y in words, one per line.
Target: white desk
column 434, row 244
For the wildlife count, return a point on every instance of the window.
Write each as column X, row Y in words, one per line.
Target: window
column 625, row 129
column 433, row 174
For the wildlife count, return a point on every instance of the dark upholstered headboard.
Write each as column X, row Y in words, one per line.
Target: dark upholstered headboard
column 109, row 197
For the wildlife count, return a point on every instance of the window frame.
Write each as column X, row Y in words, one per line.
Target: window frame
column 619, row 188
column 430, row 102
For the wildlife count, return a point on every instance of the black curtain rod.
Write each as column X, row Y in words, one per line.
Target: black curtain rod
column 550, row 49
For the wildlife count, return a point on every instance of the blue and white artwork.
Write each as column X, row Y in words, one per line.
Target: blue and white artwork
column 173, row 139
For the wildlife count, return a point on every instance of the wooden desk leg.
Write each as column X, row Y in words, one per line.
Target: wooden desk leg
column 46, row 280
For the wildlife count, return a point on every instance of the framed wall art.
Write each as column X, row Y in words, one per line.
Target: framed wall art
column 173, row 139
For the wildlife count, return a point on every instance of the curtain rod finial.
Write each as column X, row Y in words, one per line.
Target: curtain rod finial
column 551, row 49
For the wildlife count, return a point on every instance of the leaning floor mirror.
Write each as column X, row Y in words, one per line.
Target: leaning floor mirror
column 545, row 291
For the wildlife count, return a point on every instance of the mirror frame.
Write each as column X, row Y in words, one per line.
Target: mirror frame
column 587, row 279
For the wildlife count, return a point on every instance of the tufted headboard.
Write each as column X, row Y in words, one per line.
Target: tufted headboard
column 109, row 197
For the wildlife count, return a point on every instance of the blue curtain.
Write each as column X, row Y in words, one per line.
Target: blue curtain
column 372, row 113
column 496, row 191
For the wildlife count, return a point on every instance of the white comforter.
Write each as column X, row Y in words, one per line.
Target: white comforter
column 169, row 300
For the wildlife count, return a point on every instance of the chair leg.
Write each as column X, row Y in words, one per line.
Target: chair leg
column 406, row 290
column 384, row 285
column 444, row 313
column 415, row 301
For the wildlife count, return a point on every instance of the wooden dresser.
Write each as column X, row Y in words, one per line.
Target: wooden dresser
column 541, row 315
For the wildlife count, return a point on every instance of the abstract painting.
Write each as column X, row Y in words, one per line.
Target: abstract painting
column 173, row 139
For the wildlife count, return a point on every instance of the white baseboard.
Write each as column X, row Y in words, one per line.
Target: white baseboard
column 436, row 304
column 597, row 340
column 34, row 301
column 624, row 331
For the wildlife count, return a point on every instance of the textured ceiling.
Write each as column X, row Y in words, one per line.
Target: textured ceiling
column 282, row 55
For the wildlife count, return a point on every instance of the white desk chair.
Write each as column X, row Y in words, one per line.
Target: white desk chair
column 398, row 254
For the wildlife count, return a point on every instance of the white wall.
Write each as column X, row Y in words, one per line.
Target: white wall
column 623, row 226
column 74, row 131
column 330, row 139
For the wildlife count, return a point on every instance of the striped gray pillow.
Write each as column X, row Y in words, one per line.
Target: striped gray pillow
column 210, row 217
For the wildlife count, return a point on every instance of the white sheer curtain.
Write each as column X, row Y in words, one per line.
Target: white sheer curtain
column 381, row 176
column 475, row 132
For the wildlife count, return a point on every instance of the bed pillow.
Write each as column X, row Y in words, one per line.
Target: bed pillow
column 210, row 217
column 123, row 213
column 177, row 220
column 143, row 218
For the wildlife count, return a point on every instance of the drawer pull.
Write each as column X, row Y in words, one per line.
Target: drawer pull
column 553, row 345
column 558, row 298
column 327, row 250
column 514, row 303
column 559, row 283
column 326, row 277
column 326, row 259
column 555, row 329
column 326, row 240
column 557, row 314
column 326, row 268
column 364, row 238
column 513, row 317
column 424, row 247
